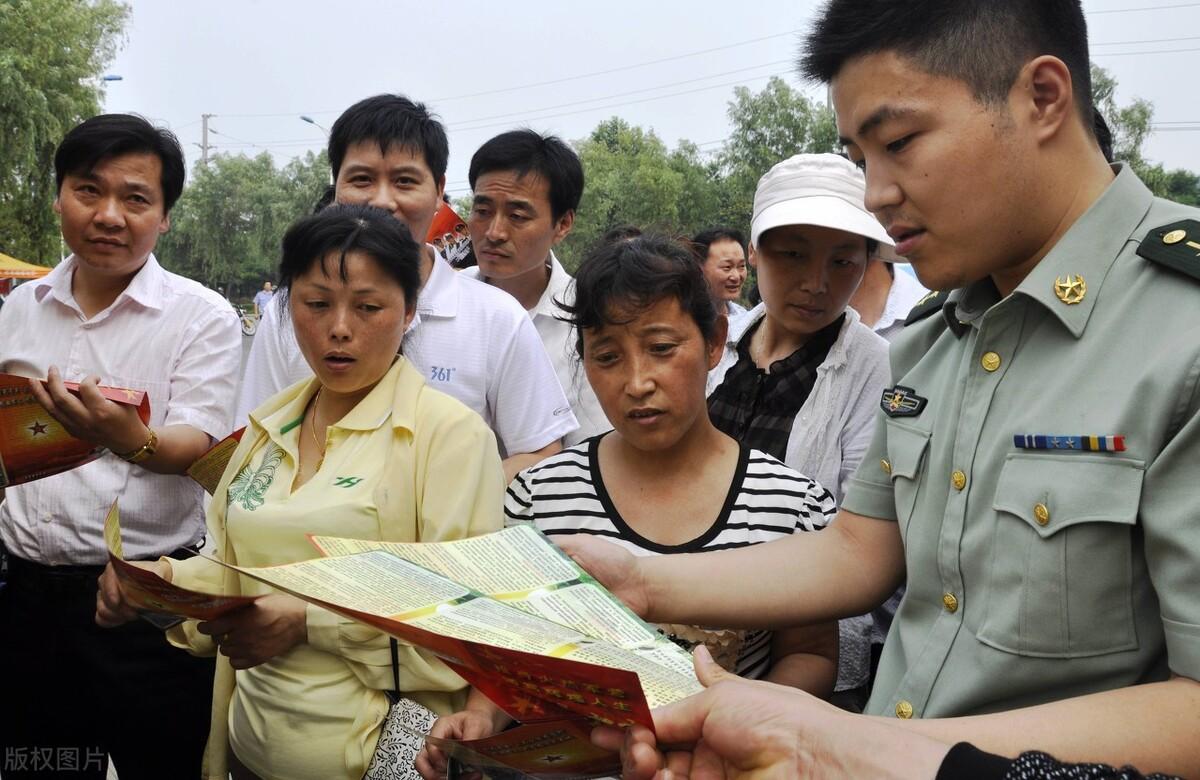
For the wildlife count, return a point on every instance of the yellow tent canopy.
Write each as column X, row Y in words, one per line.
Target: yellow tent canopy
column 12, row 268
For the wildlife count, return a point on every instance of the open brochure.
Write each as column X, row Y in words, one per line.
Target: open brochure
column 32, row 443
column 518, row 620
column 160, row 602
column 209, row 467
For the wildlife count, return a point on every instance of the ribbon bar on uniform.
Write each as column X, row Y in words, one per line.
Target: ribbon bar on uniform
column 1038, row 441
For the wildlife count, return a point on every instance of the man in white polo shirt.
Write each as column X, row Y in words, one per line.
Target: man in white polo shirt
column 469, row 340
column 73, row 693
column 527, row 187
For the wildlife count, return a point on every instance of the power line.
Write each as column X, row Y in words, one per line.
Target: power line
column 1146, row 8
column 1138, row 53
column 621, row 94
column 524, row 116
column 1156, row 40
column 504, row 90
column 618, row 105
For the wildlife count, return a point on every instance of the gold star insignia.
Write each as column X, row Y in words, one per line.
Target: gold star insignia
column 1070, row 290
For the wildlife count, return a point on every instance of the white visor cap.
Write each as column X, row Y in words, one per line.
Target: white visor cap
column 814, row 189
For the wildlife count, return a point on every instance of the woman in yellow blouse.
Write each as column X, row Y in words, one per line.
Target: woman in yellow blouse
column 363, row 450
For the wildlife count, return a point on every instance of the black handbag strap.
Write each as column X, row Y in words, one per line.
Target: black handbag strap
column 395, row 666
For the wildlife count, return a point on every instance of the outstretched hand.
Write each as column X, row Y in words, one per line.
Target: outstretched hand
column 739, row 729
column 613, row 566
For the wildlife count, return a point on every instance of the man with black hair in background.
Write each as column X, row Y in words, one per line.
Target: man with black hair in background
column 526, row 189
column 470, row 341
column 1034, row 465
column 722, row 255
column 109, row 314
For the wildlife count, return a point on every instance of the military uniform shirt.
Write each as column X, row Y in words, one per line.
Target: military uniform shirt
column 1039, row 575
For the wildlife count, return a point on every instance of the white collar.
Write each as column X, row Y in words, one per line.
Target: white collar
column 145, row 288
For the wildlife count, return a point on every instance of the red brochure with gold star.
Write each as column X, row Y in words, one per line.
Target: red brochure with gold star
column 33, row 445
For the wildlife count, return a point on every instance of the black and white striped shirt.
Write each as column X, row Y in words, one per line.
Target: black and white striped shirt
column 766, row 500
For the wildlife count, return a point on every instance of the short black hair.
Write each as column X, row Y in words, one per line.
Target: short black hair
column 111, row 135
column 620, row 233
column 388, row 120
column 622, row 278
column 526, row 151
column 983, row 43
column 343, row 229
column 702, row 241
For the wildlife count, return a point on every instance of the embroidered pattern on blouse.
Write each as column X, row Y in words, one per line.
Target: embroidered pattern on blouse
column 250, row 486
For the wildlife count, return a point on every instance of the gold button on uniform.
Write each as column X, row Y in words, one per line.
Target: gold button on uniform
column 959, row 480
column 990, row 361
column 1174, row 237
column 1041, row 513
column 950, row 603
column 904, row 710
column 885, row 465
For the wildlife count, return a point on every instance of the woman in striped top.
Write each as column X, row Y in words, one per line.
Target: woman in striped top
column 665, row 480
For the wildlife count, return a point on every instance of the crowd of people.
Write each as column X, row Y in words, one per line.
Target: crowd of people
column 906, row 534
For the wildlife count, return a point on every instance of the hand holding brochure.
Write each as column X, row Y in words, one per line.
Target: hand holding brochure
column 32, row 443
column 518, row 620
column 155, row 597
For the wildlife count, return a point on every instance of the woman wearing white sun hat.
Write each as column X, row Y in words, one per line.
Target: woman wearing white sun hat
column 801, row 375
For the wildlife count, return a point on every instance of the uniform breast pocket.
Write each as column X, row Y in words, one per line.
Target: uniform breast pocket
column 1059, row 583
column 906, row 448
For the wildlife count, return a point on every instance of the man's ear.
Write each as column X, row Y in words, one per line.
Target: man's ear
column 441, row 185
column 58, row 205
column 563, row 227
column 751, row 256
column 165, row 225
column 1045, row 95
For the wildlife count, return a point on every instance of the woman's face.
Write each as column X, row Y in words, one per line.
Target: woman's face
column 349, row 330
column 806, row 274
column 649, row 373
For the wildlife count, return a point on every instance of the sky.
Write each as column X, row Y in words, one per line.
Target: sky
column 561, row 67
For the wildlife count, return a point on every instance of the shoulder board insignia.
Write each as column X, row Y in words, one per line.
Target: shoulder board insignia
column 926, row 306
column 1177, row 246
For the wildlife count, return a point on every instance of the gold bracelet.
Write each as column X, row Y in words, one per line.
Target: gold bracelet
column 142, row 453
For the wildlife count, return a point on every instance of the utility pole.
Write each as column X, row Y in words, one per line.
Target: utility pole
column 204, row 138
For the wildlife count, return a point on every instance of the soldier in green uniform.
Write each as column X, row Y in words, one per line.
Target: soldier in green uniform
column 1035, row 466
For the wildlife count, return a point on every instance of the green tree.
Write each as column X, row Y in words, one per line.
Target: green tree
column 226, row 228
column 768, row 126
column 1130, row 126
column 51, row 56
column 630, row 180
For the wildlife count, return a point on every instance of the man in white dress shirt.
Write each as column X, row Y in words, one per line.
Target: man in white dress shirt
column 109, row 314
column 469, row 340
column 527, row 187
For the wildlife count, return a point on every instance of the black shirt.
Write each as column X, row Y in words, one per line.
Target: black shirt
column 758, row 407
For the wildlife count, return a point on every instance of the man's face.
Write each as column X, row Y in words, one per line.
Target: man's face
column 113, row 215
column 399, row 181
column 725, row 269
column 949, row 177
column 267, row 286
column 512, row 229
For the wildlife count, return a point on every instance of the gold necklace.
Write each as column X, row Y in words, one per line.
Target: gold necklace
column 313, row 422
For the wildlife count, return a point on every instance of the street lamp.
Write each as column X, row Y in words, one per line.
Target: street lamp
column 313, row 122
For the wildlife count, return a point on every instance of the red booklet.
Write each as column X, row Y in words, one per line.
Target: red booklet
column 33, row 445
